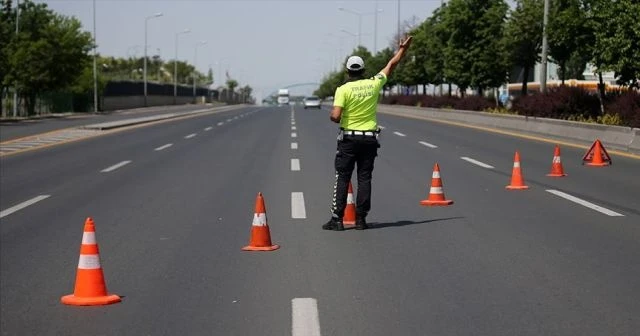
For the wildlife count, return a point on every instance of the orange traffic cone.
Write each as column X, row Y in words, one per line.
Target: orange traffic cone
column 517, row 181
column 260, row 234
column 90, row 288
column 349, row 217
column 556, row 165
column 436, row 193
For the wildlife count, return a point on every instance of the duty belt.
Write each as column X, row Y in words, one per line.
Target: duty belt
column 366, row 133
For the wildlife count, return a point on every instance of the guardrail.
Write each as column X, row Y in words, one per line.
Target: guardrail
column 618, row 137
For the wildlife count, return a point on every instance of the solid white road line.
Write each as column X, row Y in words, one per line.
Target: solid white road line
column 190, row 136
column 427, row 144
column 115, row 166
column 294, row 145
column 293, row 134
column 476, row 162
column 164, row 147
column 585, row 203
column 295, row 164
column 399, row 134
column 208, row 128
column 220, row 123
column 18, row 207
column 304, row 317
column 297, row 205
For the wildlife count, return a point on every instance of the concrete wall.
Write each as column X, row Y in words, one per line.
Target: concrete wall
column 129, row 102
column 622, row 138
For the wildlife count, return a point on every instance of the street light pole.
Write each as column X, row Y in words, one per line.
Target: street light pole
column 15, row 85
column 545, row 47
column 95, row 66
column 195, row 68
column 375, row 30
column 145, row 53
column 175, row 68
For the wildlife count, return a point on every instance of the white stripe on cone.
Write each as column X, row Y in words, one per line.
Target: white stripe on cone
column 89, row 238
column 89, row 261
column 556, row 159
column 350, row 198
column 435, row 190
column 436, row 174
column 260, row 219
column 516, row 165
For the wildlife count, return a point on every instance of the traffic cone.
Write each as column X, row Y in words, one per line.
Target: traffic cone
column 517, row 181
column 556, row 165
column 436, row 193
column 349, row 217
column 90, row 288
column 260, row 234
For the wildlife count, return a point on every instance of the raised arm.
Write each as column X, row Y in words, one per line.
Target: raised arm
column 393, row 62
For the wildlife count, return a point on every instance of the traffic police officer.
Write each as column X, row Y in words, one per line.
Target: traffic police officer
column 354, row 108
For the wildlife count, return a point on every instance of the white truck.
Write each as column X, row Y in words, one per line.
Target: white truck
column 283, row 97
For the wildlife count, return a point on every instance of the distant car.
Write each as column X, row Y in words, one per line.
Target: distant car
column 312, row 102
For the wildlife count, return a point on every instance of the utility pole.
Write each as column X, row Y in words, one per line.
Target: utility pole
column 95, row 66
column 375, row 30
column 15, row 85
column 545, row 47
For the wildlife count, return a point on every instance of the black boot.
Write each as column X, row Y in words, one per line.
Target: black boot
column 334, row 224
column 361, row 223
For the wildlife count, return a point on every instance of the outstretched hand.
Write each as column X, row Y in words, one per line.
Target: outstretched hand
column 406, row 42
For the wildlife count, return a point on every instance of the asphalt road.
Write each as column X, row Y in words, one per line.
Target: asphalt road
column 171, row 222
column 10, row 130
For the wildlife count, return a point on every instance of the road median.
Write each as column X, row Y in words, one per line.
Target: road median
column 621, row 138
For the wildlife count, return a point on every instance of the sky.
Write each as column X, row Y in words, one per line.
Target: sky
column 266, row 44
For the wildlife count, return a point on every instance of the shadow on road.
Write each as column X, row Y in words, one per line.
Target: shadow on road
column 374, row 225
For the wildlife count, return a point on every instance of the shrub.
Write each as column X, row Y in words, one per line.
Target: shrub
column 475, row 103
column 627, row 106
column 560, row 103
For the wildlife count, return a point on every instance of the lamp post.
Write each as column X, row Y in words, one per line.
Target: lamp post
column 144, row 75
column 175, row 67
column 195, row 67
column 15, row 86
column 545, row 47
column 360, row 15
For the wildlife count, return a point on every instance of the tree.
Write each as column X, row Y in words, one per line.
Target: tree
column 570, row 36
column 7, row 16
column 487, row 51
column 617, row 39
column 523, row 37
column 210, row 76
column 436, row 36
column 50, row 52
column 467, row 54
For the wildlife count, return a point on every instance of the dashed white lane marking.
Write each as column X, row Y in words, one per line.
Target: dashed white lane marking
column 163, row 147
column 220, row 123
column 293, row 128
column 18, row 207
column 476, row 162
column 585, row 203
column 228, row 120
column 294, row 145
column 295, row 164
column 294, row 135
column 427, row 144
column 304, row 317
column 399, row 134
column 298, row 210
column 190, row 136
column 115, row 166
column 234, row 118
column 208, row 128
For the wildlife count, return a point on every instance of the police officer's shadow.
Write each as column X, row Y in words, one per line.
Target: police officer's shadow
column 376, row 225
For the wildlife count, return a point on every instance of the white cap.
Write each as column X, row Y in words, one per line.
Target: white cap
column 355, row 63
